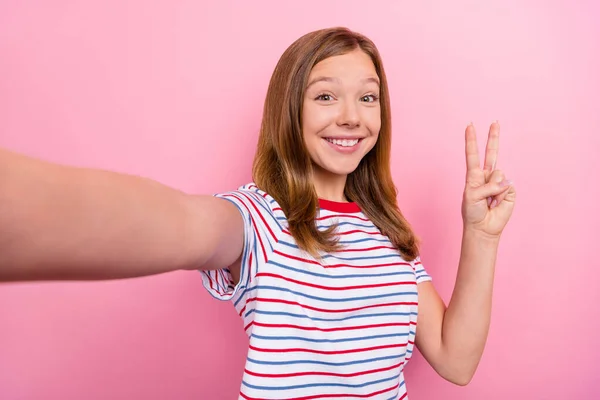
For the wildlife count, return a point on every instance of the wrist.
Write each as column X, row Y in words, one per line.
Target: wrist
column 472, row 232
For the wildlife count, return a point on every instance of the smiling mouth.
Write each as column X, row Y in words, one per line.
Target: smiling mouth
column 344, row 142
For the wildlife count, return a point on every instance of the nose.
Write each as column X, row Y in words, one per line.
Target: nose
column 349, row 116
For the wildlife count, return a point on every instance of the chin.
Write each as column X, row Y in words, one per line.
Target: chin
column 339, row 169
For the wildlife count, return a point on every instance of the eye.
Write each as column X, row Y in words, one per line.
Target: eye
column 370, row 98
column 324, row 97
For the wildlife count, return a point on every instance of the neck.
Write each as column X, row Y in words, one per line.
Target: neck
column 329, row 186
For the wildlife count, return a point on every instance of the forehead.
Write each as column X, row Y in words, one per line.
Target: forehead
column 356, row 64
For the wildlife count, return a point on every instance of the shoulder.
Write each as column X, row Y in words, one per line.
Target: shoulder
column 255, row 201
column 248, row 194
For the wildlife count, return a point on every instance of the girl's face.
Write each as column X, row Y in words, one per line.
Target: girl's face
column 341, row 114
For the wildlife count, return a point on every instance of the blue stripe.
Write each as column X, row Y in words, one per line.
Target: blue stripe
column 330, row 300
column 391, row 255
column 245, row 263
column 395, row 396
column 368, row 239
column 256, row 199
column 241, row 285
column 208, row 289
column 384, row 240
column 267, row 210
column 241, row 296
column 323, row 227
column 310, row 385
column 354, row 339
column 304, row 271
column 338, row 364
column 395, row 314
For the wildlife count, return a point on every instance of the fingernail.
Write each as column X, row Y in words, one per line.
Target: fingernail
column 494, row 203
column 505, row 183
column 489, row 201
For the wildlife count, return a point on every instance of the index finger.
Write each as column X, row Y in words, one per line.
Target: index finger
column 491, row 148
column 471, row 150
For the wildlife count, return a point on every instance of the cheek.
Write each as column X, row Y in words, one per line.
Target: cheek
column 316, row 118
column 373, row 121
column 373, row 124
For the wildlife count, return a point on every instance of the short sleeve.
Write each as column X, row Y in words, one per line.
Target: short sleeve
column 421, row 274
column 261, row 230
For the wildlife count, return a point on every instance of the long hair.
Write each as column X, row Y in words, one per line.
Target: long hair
column 283, row 167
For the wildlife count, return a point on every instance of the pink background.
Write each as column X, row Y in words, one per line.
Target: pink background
column 174, row 91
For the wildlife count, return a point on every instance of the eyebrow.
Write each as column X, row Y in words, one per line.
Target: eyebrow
column 336, row 80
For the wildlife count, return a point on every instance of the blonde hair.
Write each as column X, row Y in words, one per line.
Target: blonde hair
column 283, row 168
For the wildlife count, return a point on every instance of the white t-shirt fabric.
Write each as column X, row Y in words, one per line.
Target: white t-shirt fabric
column 340, row 328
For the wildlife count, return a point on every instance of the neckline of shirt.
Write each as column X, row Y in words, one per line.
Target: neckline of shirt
column 338, row 206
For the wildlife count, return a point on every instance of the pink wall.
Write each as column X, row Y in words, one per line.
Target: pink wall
column 174, row 91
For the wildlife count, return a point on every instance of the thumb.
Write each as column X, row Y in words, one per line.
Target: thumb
column 495, row 186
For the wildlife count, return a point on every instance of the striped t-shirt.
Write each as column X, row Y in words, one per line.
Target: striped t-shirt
column 342, row 328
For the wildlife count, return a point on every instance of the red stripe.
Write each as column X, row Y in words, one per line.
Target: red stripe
column 210, row 282
column 332, row 395
column 260, row 214
column 253, row 223
column 341, row 328
column 267, row 300
column 242, row 310
column 255, row 227
column 250, row 268
column 333, row 352
column 342, row 216
column 372, row 371
column 343, row 233
column 375, row 285
column 367, row 249
column 338, row 265
column 223, row 280
column 409, row 356
column 414, row 265
column 359, row 231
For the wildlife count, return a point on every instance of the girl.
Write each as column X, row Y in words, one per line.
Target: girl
column 315, row 255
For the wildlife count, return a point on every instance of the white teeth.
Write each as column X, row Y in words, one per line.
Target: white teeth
column 343, row 143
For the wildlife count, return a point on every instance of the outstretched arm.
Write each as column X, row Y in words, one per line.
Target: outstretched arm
column 65, row 223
